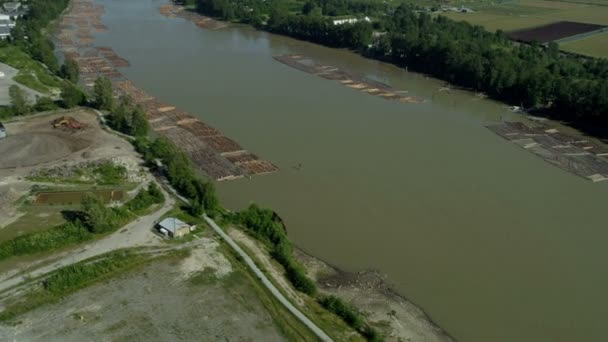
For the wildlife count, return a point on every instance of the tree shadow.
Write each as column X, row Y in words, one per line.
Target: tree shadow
column 72, row 215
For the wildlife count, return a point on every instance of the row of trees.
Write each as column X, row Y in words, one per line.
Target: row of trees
column 263, row 224
column 181, row 174
column 29, row 31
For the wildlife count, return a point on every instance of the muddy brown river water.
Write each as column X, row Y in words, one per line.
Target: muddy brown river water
column 491, row 241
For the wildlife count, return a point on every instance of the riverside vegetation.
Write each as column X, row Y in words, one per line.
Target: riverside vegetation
column 94, row 218
column 574, row 89
column 30, row 50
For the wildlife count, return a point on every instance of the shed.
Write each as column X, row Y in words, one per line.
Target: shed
column 174, row 227
column 2, row 131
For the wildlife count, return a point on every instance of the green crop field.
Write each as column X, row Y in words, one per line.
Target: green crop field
column 594, row 46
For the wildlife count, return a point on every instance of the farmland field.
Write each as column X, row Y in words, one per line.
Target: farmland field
column 595, row 46
column 553, row 32
column 522, row 14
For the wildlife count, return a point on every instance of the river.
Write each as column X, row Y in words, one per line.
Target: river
column 491, row 241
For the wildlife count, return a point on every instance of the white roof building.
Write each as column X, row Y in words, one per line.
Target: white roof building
column 174, row 227
column 350, row 21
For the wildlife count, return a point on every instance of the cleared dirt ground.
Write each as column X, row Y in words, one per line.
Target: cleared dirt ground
column 164, row 301
column 32, row 141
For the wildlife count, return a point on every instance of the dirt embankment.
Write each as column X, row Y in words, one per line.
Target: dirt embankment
column 397, row 318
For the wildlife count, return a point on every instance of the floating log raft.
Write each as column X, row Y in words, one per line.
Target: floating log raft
column 565, row 151
column 215, row 154
column 177, row 11
column 350, row 80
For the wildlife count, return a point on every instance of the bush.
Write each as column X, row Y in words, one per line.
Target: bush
column 145, row 198
column 56, row 237
column 262, row 224
column 345, row 311
column 111, row 174
column 44, row 104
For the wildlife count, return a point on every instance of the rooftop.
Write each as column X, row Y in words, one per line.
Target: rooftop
column 172, row 224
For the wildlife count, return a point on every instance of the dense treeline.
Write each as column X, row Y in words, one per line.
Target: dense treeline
column 538, row 77
column 262, row 223
column 128, row 118
column 320, row 29
column 29, row 33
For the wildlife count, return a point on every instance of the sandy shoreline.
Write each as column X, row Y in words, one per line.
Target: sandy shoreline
column 397, row 318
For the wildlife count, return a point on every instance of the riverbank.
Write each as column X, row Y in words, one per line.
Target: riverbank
column 397, row 318
column 218, row 156
column 423, row 193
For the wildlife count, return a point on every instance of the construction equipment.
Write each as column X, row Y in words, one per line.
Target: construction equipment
column 67, row 122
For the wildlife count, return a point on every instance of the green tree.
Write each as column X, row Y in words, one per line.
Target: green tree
column 103, row 97
column 44, row 104
column 139, row 122
column 71, row 96
column 19, row 102
column 70, row 71
column 97, row 217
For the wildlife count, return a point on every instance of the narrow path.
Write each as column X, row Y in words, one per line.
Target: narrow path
column 275, row 292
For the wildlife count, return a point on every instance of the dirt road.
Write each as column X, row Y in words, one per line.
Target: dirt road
column 135, row 234
column 270, row 286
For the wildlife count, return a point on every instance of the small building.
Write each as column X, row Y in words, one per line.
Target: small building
column 2, row 131
column 174, row 227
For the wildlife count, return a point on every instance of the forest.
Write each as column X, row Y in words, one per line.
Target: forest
column 539, row 78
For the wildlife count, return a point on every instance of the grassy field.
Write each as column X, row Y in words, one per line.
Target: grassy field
column 521, row 14
column 595, row 46
column 32, row 74
column 35, row 218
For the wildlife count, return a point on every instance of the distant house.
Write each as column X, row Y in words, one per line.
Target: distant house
column 350, row 21
column 2, row 131
column 174, row 227
column 7, row 23
column 5, row 32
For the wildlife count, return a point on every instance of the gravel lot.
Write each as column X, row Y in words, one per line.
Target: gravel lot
column 155, row 303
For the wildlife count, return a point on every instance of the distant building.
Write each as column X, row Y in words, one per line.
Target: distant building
column 7, row 23
column 5, row 32
column 2, row 131
column 174, row 227
column 350, row 21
